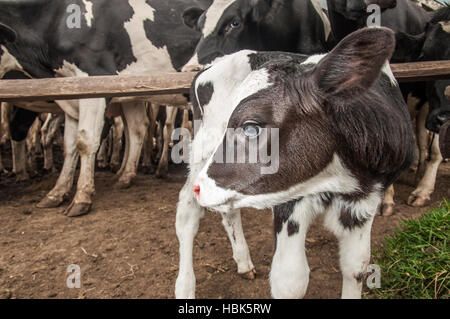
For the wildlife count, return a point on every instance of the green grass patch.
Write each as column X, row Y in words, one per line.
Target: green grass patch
column 415, row 261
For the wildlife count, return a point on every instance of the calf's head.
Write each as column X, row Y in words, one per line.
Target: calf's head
column 295, row 104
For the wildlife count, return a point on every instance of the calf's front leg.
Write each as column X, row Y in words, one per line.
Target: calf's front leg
column 289, row 275
column 189, row 213
column 232, row 223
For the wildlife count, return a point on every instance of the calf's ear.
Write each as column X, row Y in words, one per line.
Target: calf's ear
column 355, row 63
column 191, row 16
column 7, row 34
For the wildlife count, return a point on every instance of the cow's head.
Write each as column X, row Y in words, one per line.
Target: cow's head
column 432, row 45
column 227, row 26
column 294, row 95
column 356, row 9
column 7, row 35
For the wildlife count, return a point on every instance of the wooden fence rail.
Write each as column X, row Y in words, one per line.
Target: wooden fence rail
column 155, row 84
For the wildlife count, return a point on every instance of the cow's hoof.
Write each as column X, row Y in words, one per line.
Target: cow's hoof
column 77, row 209
column 148, row 170
column 115, row 168
column 48, row 202
column 387, row 209
column 418, row 201
column 161, row 173
column 123, row 184
column 4, row 172
column 250, row 275
column 22, row 177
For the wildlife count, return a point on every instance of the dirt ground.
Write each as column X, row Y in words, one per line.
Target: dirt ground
column 127, row 248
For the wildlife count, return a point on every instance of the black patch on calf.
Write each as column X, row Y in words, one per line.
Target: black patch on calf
column 281, row 214
column 292, row 228
column 349, row 221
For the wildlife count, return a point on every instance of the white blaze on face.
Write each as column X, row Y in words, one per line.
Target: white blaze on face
column 149, row 58
column 89, row 15
column 210, row 194
column 213, row 15
column 8, row 62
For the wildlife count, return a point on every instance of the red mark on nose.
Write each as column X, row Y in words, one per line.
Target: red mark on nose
column 196, row 189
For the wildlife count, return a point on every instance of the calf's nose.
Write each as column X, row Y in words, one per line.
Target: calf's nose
column 196, row 190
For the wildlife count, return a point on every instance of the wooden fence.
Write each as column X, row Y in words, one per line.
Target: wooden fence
column 157, row 84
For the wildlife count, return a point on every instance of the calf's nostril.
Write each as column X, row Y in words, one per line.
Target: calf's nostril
column 196, row 189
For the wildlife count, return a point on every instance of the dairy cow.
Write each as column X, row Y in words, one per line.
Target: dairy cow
column 228, row 26
column 81, row 38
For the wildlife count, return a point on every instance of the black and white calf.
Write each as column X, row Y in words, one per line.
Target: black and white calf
column 344, row 137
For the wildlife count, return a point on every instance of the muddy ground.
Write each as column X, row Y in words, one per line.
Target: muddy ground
column 127, row 248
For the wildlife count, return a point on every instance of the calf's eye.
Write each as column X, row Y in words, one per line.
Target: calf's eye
column 252, row 130
column 235, row 24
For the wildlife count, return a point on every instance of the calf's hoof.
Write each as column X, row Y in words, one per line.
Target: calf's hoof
column 250, row 275
column 48, row 202
column 418, row 200
column 77, row 209
column 387, row 209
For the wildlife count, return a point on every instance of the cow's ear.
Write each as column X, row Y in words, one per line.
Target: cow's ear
column 191, row 16
column 259, row 9
column 355, row 63
column 7, row 34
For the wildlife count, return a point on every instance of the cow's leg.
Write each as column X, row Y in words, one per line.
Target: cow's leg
column 147, row 165
column 2, row 168
column 289, row 275
column 102, row 155
column 188, row 218
column 136, row 124
column 48, row 138
column 422, row 139
column 65, row 180
column 422, row 194
column 387, row 206
column 163, row 166
column 6, row 112
column 90, row 126
column 117, row 133
column 33, row 146
column 353, row 234
column 20, row 124
column 232, row 223
column 19, row 156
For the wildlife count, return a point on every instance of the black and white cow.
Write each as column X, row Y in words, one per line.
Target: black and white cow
column 81, row 38
column 271, row 25
column 344, row 137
